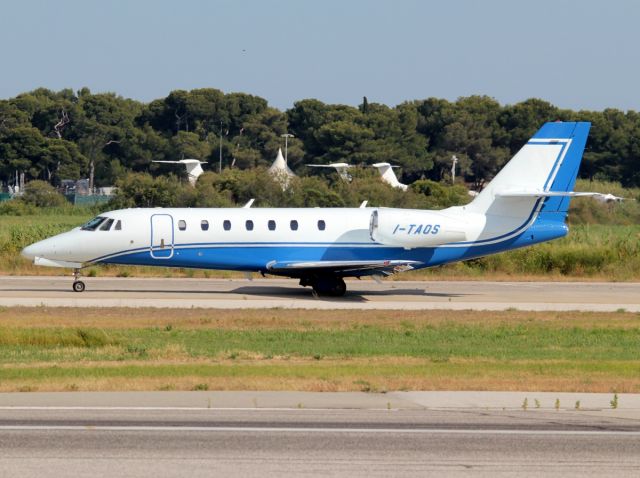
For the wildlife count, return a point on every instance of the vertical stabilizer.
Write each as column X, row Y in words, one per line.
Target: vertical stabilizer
column 548, row 162
column 388, row 176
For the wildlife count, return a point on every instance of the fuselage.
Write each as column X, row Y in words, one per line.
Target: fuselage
column 247, row 239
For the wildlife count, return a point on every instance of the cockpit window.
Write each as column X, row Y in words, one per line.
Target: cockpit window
column 118, row 226
column 106, row 225
column 93, row 224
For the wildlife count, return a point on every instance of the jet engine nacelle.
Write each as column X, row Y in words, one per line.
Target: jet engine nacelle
column 411, row 229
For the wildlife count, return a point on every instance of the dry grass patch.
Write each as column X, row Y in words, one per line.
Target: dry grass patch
column 294, row 319
column 335, row 378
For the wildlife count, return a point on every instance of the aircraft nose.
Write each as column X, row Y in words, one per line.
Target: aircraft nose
column 30, row 252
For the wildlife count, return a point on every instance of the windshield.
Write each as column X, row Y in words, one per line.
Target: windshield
column 93, row 224
column 106, row 225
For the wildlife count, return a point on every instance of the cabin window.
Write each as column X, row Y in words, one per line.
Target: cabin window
column 249, row 225
column 118, row 226
column 93, row 223
column 294, row 225
column 321, row 225
column 182, row 224
column 106, row 225
column 226, row 225
column 271, row 225
column 204, row 225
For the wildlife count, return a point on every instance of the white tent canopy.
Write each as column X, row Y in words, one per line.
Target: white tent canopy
column 280, row 171
column 279, row 166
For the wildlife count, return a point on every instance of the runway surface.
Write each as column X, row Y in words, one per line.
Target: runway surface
column 412, row 440
column 286, row 293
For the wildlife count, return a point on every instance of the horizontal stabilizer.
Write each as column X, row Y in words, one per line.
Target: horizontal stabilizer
column 547, row 194
column 181, row 161
column 331, row 165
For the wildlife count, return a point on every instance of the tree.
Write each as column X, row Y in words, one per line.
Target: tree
column 21, row 149
column 188, row 145
column 143, row 190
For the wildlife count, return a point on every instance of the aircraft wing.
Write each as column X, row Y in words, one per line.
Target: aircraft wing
column 180, row 161
column 342, row 268
column 331, row 165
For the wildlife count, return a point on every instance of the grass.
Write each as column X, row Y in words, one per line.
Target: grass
column 589, row 252
column 437, row 343
column 54, row 349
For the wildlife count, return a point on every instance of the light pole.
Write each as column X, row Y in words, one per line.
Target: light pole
column 220, row 158
column 454, row 161
column 286, row 137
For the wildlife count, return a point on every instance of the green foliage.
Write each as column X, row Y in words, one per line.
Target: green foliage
column 439, row 195
column 16, row 207
column 42, row 194
column 588, row 250
column 16, row 237
column 590, row 211
column 614, row 402
column 143, row 190
column 65, row 135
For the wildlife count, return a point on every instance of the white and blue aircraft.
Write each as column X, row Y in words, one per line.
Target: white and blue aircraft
column 526, row 203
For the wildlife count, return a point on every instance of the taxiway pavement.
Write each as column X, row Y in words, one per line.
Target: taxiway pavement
column 175, row 434
column 285, row 293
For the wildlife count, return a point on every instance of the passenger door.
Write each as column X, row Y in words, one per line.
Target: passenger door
column 161, row 236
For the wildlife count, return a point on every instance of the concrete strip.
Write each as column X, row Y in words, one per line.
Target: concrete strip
column 321, row 400
column 284, row 293
column 516, row 400
column 231, row 400
column 311, row 305
column 311, row 430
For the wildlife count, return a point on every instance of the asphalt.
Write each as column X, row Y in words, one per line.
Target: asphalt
column 194, row 434
column 285, row 293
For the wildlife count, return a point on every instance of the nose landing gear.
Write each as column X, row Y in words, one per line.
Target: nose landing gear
column 78, row 285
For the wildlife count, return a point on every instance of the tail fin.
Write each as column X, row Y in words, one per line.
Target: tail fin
column 548, row 163
column 388, row 176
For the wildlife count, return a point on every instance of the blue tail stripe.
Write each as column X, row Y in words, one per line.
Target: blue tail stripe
column 566, row 177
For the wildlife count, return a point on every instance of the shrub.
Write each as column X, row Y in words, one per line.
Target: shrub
column 16, row 207
column 42, row 194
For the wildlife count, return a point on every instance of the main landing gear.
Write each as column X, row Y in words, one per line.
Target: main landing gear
column 331, row 286
column 78, row 285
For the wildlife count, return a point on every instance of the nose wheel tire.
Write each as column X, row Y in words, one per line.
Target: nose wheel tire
column 78, row 286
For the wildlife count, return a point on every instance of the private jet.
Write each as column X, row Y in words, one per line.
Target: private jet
column 526, row 203
column 341, row 168
column 194, row 170
column 388, row 176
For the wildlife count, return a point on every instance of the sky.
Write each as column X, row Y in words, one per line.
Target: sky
column 574, row 54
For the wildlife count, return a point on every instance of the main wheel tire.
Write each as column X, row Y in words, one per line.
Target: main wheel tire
column 78, row 286
column 330, row 286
